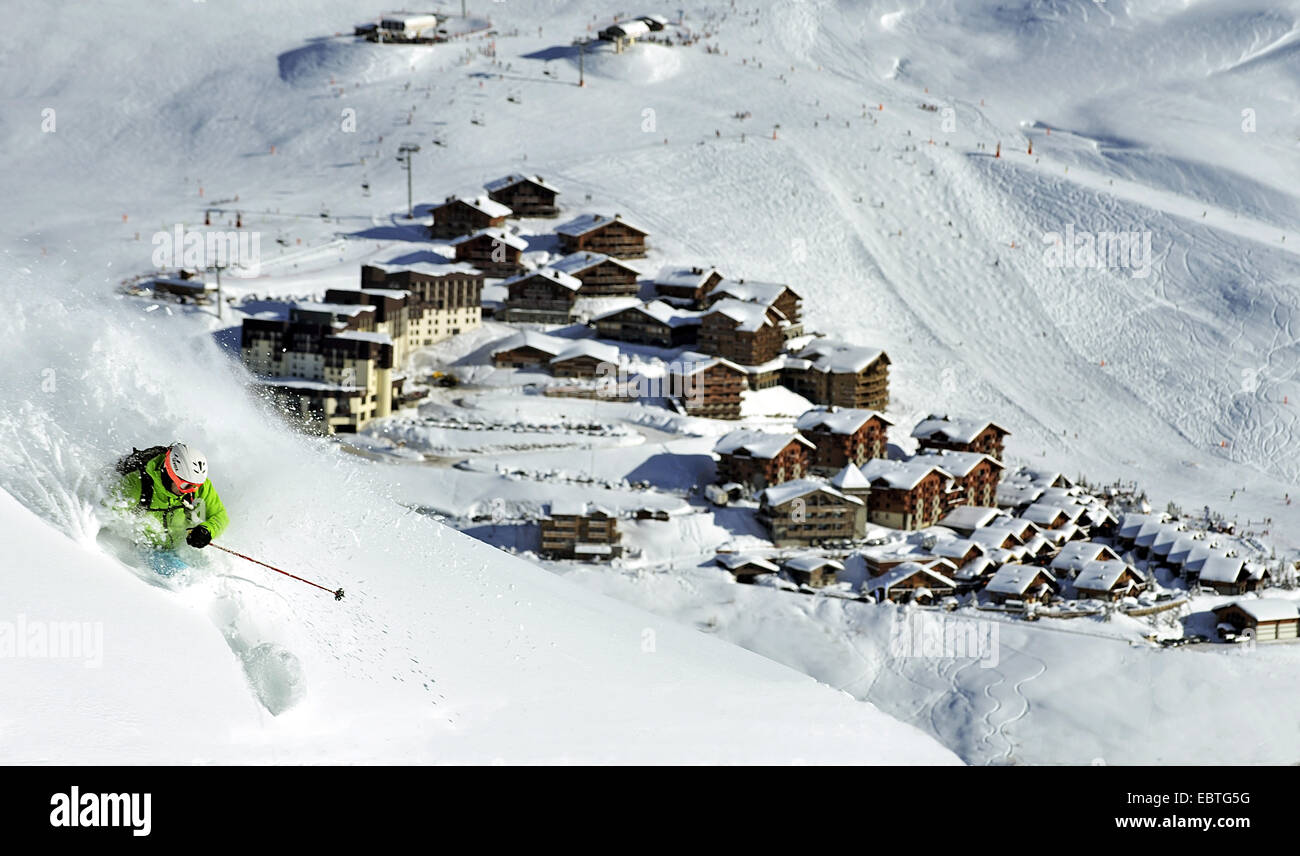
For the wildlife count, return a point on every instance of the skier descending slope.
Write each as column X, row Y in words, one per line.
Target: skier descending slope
column 167, row 488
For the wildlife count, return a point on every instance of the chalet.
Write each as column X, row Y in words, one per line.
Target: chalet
column 965, row 519
column 912, row 582
column 1051, row 516
column 959, row 551
column 524, row 195
column 759, row 458
column 1024, row 583
column 1110, row 579
column 812, row 571
column 709, row 389
column 585, row 359
column 777, row 295
column 908, row 494
column 885, row 557
column 596, row 233
column 527, row 349
column 804, row 511
column 1263, row 619
column 1133, row 524
column 625, row 31
column 745, row 567
column 850, row 480
column 844, row 436
column 996, row 538
column 1231, row 575
column 457, row 216
column 580, row 530
column 654, row 323
column 686, row 285
column 496, row 252
column 961, row 435
column 544, row 296
column 832, row 373
column 1076, row 554
column 600, row 275
column 743, row 332
column 975, row 474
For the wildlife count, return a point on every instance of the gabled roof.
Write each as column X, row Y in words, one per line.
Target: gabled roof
column 764, row 293
column 838, row 420
column 759, row 444
column 749, row 317
column 578, row 508
column 1264, row 608
column 515, row 178
column 1130, row 524
column 532, row 339
column 952, row 430
column 684, row 277
column 1100, row 575
column 782, row 493
column 812, row 563
column 900, row 475
column 693, row 368
column 550, row 274
column 1044, row 514
column 1222, row 569
column 1076, row 554
column 970, row 517
column 828, row 355
column 902, row 573
column 731, row 561
column 1015, row 579
column 482, row 204
column 426, row 268
column 850, row 478
column 588, row 348
column 670, row 316
column 498, row 235
column 587, row 223
column 960, row 463
column 576, row 263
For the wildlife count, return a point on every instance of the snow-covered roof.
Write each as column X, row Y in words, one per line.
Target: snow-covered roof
column 1043, row 514
column 970, row 517
column 850, row 478
column 731, row 561
column 427, row 268
column 953, row 548
column 691, row 368
column 586, row 223
column 362, row 336
column 482, row 204
column 576, row 263
column 900, row 475
column 515, row 178
column 1015, row 579
column 577, row 508
column 349, row 309
column 960, row 463
column 780, row 494
column 1265, row 608
column 659, row 311
column 764, row 293
column 1131, row 523
column 952, row 430
column 593, row 549
column 532, row 339
column 550, row 274
column 828, row 355
column 684, row 277
column 811, row 563
column 302, row 383
column 1222, row 569
column 838, row 420
column 905, row 571
column 588, row 348
column 748, row 316
column 1075, row 554
column 501, row 236
column 1100, row 575
column 759, row 444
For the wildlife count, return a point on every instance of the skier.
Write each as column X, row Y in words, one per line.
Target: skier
column 168, row 488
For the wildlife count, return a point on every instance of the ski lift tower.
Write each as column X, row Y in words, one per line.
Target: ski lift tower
column 404, row 152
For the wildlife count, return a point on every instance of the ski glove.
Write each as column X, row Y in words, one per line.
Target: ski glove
column 199, row 537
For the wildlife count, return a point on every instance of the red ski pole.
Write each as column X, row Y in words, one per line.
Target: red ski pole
column 338, row 595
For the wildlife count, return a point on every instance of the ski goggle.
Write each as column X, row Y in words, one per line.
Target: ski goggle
column 180, row 484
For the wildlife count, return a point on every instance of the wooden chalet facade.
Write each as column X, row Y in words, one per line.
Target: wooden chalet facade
column 1108, row 580
column 759, row 459
column 595, row 233
column 913, row 582
column 710, row 389
column 456, row 216
column 655, row 323
column 524, row 195
column 745, row 568
column 686, row 285
column 844, row 436
column 961, row 435
column 812, row 571
column 493, row 251
column 837, row 375
column 975, row 475
column 544, row 296
column 600, row 275
column 779, row 296
column 907, row 494
column 580, row 531
column 745, row 333
column 526, row 350
column 806, row 512
column 1023, row 583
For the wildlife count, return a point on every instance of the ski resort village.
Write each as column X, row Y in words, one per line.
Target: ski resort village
column 867, row 382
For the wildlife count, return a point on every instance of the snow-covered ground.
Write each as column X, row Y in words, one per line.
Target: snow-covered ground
column 896, row 224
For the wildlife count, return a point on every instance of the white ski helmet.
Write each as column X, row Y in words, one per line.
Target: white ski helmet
column 187, row 467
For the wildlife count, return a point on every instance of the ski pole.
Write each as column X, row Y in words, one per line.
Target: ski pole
column 338, row 595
